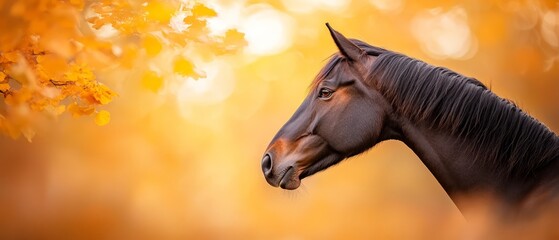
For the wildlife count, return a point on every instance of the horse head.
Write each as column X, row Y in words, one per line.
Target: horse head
column 340, row 117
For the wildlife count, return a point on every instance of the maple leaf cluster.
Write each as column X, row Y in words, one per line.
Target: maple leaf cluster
column 52, row 50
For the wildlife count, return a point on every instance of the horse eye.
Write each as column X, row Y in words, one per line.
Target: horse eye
column 325, row 93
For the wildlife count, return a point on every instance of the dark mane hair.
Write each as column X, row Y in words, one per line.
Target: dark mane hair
column 501, row 135
column 511, row 142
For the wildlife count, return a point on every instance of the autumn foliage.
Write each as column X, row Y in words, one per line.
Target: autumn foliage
column 51, row 52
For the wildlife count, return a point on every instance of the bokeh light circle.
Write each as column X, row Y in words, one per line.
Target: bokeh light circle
column 268, row 31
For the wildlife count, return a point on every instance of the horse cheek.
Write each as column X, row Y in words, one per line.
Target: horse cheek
column 365, row 128
column 355, row 130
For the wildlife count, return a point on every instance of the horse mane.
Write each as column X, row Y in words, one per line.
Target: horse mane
column 503, row 137
column 506, row 139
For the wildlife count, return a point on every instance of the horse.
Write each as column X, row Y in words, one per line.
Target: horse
column 469, row 138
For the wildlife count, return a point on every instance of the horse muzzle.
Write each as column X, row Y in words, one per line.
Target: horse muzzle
column 286, row 177
column 285, row 160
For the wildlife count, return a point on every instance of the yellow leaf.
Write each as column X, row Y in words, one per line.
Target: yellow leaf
column 55, row 110
column 184, row 67
column 77, row 110
column 152, row 45
column 79, row 73
column 197, row 25
column 103, row 94
column 4, row 87
column 10, row 56
column 86, row 96
column 23, row 95
column 2, row 76
column 152, row 81
column 102, row 118
column 73, row 109
column 232, row 41
column 200, row 10
column 51, row 66
column 234, row 37
column 159, row 11
column 59, row 110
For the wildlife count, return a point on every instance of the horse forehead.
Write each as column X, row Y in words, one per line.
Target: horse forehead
column 338, row 72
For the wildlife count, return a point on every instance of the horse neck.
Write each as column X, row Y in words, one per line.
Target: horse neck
column 439, row 155
column 459, row 169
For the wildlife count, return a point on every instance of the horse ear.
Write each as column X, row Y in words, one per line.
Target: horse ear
column 346, row 47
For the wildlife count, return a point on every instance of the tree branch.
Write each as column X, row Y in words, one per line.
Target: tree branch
column 59, row 83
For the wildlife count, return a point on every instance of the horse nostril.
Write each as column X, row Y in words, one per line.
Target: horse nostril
column 267, row 165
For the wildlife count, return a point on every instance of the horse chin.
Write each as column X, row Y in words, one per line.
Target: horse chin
column 290, row 179
column 321, row 164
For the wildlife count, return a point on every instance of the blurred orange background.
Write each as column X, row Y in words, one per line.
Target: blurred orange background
column 184, row 162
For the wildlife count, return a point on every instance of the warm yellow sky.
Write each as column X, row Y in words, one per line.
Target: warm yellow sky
column 183, row 161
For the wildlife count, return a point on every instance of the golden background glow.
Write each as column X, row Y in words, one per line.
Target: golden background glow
column 184, row 162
